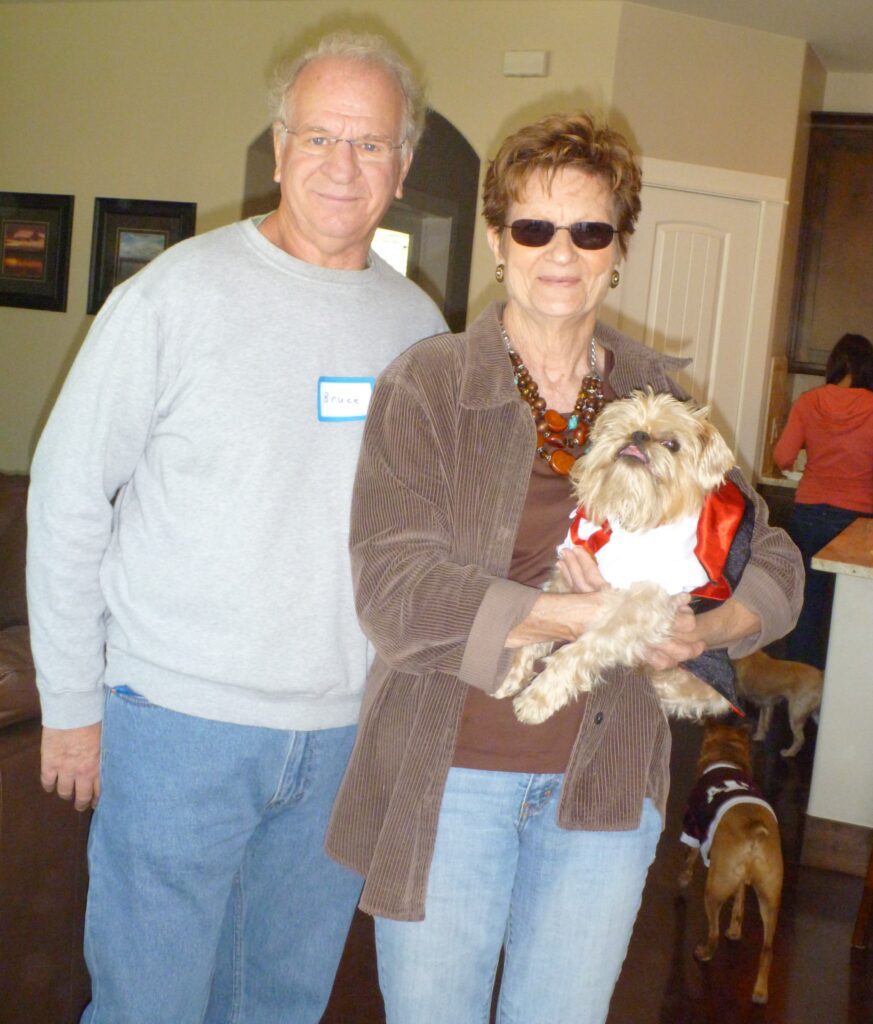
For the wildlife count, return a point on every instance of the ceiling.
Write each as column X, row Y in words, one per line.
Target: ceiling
column 840, row 31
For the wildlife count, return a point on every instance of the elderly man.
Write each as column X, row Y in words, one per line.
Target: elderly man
column 188, row 573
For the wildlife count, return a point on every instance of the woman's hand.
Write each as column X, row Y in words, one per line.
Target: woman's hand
column 686, row 640
column 579, row 570
column 692, row 634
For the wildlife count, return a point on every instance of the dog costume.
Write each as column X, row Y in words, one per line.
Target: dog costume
column 723, row 785
column 704, row 555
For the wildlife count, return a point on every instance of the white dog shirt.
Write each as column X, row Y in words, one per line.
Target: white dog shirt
column 664, row 555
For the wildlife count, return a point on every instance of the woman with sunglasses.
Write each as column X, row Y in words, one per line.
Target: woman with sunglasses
column 475, row 832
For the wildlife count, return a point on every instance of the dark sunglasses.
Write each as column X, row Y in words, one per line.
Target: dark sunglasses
column 586, row 234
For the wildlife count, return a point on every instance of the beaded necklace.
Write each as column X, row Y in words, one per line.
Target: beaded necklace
column 559, row 440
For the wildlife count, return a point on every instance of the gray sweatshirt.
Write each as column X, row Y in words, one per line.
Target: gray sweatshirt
column 189, row 500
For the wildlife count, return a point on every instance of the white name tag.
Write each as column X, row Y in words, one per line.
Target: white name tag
column 344, row 398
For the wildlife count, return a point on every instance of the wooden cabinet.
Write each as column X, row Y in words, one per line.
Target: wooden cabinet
column 834, row 283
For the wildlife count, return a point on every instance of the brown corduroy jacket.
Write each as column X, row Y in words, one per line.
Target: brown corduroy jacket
column 441, row 482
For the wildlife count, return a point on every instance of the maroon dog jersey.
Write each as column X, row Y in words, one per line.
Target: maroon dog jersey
column 720, row 787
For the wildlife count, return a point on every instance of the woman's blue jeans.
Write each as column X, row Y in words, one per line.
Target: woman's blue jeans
column 811, row 527
column 562, row 904
column 211, row 898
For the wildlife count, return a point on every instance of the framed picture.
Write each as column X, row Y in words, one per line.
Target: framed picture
column 35, row 232
column 128, row 233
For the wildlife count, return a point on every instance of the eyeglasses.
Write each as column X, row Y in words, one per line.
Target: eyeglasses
column 586, row 234
column 370, row 149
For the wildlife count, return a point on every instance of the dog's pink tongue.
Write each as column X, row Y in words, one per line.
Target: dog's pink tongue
column 633, row 452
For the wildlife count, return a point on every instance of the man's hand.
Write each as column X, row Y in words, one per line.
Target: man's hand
column 71, row 764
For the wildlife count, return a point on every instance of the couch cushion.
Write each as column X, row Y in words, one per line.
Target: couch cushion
column 13, row 542
column 19, row 699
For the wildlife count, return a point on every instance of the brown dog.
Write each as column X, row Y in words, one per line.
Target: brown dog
column 765, row 681
column 735, row 829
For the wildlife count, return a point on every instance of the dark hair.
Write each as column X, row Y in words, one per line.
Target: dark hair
column 555, row 142
column 852, row 355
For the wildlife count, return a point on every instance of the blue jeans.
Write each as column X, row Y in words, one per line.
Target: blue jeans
column 211, row 898
column 811, row 527
column 562, row 903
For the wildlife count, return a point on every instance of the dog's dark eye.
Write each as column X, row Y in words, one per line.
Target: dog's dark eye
column 671, row 444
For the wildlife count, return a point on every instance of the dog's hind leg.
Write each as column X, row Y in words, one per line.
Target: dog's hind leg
column 799, row 710
column 712, row 904
column 735, row 928
column 768, row 888
column 769, row 908
column 765, row 716
column 690, row 860
column 797, row 723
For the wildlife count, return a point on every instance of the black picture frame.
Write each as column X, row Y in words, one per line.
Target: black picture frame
column 128, row 233
column 35, row 235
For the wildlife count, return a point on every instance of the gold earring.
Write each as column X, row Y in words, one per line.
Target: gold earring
column 500, row 272
column 614, row 279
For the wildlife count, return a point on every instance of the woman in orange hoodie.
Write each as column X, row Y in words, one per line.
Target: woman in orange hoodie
column 834, row 423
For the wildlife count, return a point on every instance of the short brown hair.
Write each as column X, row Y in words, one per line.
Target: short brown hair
column 553, row 143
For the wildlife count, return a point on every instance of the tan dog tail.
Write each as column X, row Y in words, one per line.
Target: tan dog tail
column 757, row 833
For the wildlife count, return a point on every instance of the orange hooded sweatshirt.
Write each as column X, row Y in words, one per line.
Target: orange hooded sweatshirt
column 835, row 426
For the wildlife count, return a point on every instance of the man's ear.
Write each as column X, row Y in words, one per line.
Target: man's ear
column 279, row 137
column 406, row 163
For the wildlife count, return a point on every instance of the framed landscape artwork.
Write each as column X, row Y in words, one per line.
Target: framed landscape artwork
column 128, row 234
column 35, row 232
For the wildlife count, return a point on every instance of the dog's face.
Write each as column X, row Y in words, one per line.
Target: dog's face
column 652, row 460
column 725, row 743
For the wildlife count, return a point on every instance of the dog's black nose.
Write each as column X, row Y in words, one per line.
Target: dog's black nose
column 639, row 436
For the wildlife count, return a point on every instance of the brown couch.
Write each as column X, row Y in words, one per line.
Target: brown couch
column 43, row 871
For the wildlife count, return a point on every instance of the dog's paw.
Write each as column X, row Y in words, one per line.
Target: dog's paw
column 532, row 706
column 703, row 953
column 683, row 695
column 510, row 686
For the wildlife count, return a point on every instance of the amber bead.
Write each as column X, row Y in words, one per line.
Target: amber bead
column 555, row 420
column 580, row 435
column 561, row 462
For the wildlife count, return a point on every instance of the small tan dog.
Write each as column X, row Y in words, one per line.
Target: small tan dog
column 652, row 465
column 765, row 681
column 735, row 829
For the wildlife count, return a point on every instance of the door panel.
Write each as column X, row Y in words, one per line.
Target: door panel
column 687, row 290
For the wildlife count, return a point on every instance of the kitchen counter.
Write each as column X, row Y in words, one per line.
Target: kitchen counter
column 842, row 778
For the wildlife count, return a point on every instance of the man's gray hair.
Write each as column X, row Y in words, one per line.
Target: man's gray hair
column 368, row 49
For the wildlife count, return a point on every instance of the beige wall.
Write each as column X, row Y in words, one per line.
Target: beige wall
column 849, row 93
column 160, row 100
column 704, row 92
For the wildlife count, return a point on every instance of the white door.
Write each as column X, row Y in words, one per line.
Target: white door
column 687, row 289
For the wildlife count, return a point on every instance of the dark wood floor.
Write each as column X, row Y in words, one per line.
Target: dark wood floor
column 816, row 977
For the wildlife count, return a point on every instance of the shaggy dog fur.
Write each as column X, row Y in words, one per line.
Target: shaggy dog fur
column 652, row 460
